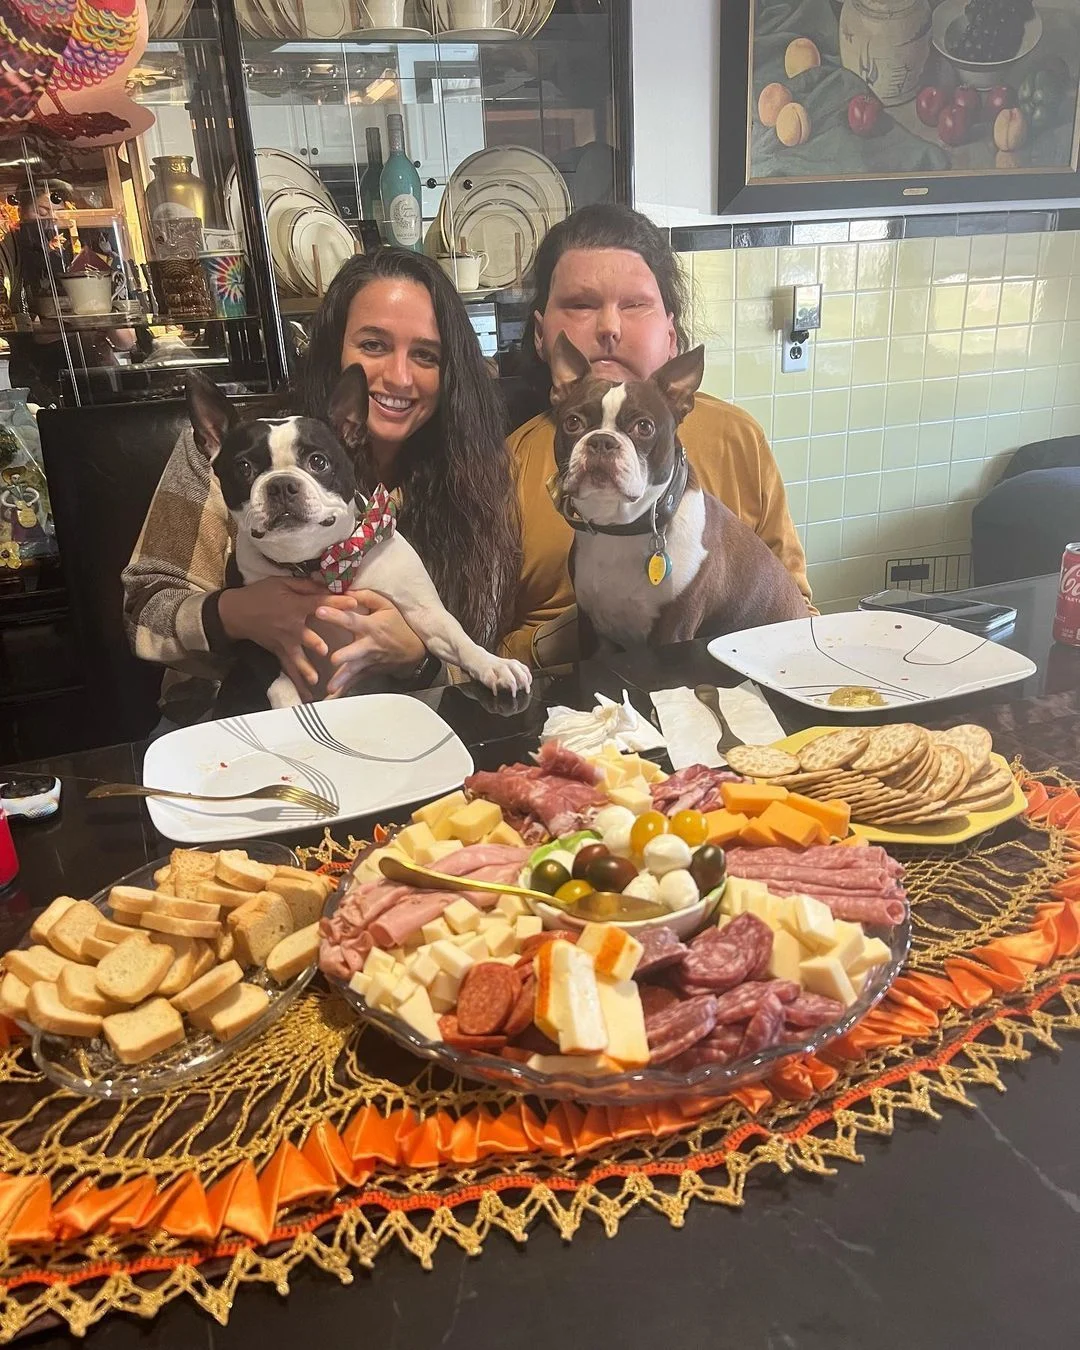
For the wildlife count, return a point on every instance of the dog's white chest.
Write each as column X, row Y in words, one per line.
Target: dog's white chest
column 611, row 581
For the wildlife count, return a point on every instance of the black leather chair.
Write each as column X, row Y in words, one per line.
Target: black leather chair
column 1021, row 527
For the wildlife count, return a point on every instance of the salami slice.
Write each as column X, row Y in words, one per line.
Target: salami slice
column 656, row 997
column 740, row 1003
column 812, row 1010
column 679, row 1027
column 450, row 1027
column 721, row 958
column 661, row 948
column 765, row 1026
column 521, row 1014
column 532, row 945
column 486, row 998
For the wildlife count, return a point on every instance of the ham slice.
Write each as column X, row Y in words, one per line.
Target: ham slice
column 408, row 917
column 464, row 862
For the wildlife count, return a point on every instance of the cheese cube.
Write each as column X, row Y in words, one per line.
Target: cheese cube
column 567, row 1001
column 378, row 962
column 370, row 866
column 849, row 943
column 470, row 823
column 761, row 906
column 438, row 928
column 431, row 855
column 378, row 991
column 475, row 946
column 590, row 1066
column 624, row 1020
column 359, row 983
column 440, row 1004
column 811, row 922
column 614, row 952
column 423, row 967
column 505, row 834
column 433, row 812
column 527, row 926
column 403, row 989
column 420, row 1015
column 445, row 988
column 874, row 953
column 500, row 939
column 463, row 916
column 634, row 796
column 451, row 959
column 414, row 837
column 510, row 960
column 616, row 774
column 825, row 975
column 739, row 892
column 512, row 906
column 787, row 953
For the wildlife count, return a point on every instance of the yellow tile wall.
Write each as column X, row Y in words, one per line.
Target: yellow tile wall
column 937, row 359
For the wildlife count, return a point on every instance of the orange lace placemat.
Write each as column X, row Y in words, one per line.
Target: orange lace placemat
column 324, row 1143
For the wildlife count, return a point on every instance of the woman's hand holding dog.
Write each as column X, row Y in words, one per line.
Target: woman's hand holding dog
column 383, row 643
column 275, row 613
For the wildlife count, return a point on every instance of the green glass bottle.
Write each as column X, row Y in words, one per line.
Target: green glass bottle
column 400, row 190
column 370, row 199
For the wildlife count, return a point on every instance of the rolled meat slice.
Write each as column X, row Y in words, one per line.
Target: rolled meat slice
column 400, row 923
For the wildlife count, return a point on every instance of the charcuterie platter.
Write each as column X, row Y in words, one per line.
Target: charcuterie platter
column 661, row 966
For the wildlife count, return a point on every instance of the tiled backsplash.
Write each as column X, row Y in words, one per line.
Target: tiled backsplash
column 937, row 358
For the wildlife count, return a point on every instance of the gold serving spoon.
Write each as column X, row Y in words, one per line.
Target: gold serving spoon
column 597, row 906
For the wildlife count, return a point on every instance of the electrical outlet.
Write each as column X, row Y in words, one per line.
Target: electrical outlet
column 794, row 357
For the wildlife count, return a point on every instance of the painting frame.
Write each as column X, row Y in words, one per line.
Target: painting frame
column 740, row 193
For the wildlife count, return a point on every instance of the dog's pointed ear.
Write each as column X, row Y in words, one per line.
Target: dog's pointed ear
column 680, row 379
column 212, row 416
column 348, row 409
column 567, row 366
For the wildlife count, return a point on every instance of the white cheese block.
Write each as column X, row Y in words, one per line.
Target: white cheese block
column 445, row 988
column 813, row 923
column 614, row 952
column 634, row 796
column 438, row 928
column 763, row 907
column 512, row 906
column 437, row 810
column 432, row 855
column 420, row 1015
column 441, row 1005
column 825, row 975
column 597, row 1065
column 423, row 967
column 624, row 1020
column 378, row 962
column 738, row 892
column 527, row 926
column 403, row 989
column 567, row 1000
column 451, row 958
column 475, row 946
column 414, row 837
column 378, row 991
column 849, row 942
column 505, row 834
column 470, row 823
column 874, row 953
column 500, row 939
column 787, row 953
column 360, row 983
column 463, row 916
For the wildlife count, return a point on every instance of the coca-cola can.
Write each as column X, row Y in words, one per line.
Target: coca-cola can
column 1067, row 617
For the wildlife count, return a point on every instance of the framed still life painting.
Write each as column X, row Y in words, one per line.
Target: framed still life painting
column 839, row 104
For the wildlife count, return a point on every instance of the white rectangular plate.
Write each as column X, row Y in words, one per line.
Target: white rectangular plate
column 909, row 660
column 370, row 753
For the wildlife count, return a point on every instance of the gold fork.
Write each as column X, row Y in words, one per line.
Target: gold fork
column 279, row 792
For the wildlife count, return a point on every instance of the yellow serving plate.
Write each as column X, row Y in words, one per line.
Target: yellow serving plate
column 978, row 821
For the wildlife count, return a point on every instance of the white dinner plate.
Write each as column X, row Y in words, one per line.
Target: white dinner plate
column 907, row 659
column 326, row 19
column 489, row 226
column 277, row 170
column 369, row 753
column 282, row 209
column 500, row 164
column 318, row 231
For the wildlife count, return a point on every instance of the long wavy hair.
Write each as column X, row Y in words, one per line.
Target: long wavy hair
column 460, row 509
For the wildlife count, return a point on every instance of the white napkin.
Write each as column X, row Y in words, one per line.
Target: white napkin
column 589, row 732
column 691, row 731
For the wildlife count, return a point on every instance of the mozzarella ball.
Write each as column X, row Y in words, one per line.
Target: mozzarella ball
column 643, row 887
column 618, row 840
column 678, row 890
column 665, row 853
column 612, row 818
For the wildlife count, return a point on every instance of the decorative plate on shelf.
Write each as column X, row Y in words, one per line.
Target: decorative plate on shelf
column 316, row 232
column 277, row 170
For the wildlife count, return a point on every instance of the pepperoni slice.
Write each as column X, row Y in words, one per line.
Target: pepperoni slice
column 486, row 998
column 532, row 945
column 452, row 1034
column 521, row 1014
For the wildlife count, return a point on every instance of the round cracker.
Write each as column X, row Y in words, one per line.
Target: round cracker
column 889, row 746
column 951, row 769
column 972, row 740
column 834, row 750
column 991, row 785
column 760, row 761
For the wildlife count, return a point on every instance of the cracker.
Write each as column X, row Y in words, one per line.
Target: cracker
column 889, row 746
column 973, row 741
column 952, row 770
column 833, row 750
column 994, row 803
column 760, row 761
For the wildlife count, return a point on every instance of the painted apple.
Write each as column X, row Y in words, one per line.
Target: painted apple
column 930, row 104
column 864, row 114
column 954, row 125
column 968, row 98
column 996, row 100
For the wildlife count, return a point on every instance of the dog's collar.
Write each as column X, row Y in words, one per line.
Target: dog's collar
column 338, row 564
column 654, row 522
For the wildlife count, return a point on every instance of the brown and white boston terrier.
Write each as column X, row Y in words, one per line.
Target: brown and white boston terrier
column 655, row 559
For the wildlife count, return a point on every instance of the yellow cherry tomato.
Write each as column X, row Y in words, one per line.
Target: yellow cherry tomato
column 646, row 827
column 573, row 890
column 690, row 826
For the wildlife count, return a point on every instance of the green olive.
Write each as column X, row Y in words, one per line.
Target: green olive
column 548, row 876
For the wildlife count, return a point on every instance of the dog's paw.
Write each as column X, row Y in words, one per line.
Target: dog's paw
column 506, row 677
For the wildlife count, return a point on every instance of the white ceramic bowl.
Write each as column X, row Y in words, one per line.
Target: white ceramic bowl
column 684, row 922
column 982, row 75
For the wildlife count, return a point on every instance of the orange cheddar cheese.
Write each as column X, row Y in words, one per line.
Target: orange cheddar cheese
column 724, row 826
column 792, row 826
column 834, row 815
column 751, row 798
column 759, row 835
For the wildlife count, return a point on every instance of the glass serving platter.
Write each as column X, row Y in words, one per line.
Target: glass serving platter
column 636, row 1086
column 89, row 1067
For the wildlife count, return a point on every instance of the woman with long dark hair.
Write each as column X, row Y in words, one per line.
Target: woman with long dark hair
column 435, row 437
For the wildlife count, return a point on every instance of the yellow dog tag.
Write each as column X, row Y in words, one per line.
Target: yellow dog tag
column 658, row 567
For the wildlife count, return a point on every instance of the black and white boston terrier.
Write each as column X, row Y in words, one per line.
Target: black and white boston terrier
column 655, row 559
column 290, row 485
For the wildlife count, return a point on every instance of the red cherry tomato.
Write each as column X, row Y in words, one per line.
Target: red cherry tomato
column 954, row 125
column 930, row 104
column 864, row 114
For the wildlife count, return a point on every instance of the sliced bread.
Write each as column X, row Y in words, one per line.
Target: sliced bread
column 228, row 1014
column 259, row 927
column 184, row 909
column 190, row 867
column 77, row 922
column 32, row 964
column 39, row 929
column 322, row 879
column 45, row 1010
column 235, row 868
column 77, row 987
column 179, row 975
column 13, row 994
column 115, row 932
column 168, row 923
column 94, row 948
column 133, row 971
column 131, row 898
column 294, row 953
column 143, row 1031
column 304, row 896
column 206, row 958
column 208, row 987
column 163, row 875
column 226, row 897
column 225, row 946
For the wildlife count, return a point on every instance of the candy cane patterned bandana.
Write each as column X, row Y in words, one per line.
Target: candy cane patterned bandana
column 341, row 561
